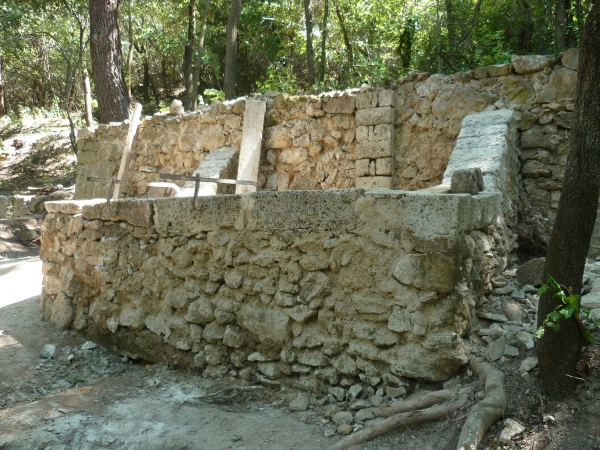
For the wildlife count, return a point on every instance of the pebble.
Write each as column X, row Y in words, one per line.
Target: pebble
column 365, row 414
column 328, row 433
column 338, row 392
column 376, row 400
column 528, row 363
column 511, row 429
column 360, row 404
column 492, row 316
column 495, row 350
column 395, row 392
column 355, row 390
column 89, row 345
column 342, row 417
column 48, row 351
column 526, row 338
column 344, row 429
column 509, row 350
column 300, row 403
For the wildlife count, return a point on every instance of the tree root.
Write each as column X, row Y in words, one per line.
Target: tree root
column 402, row 419
column 420, row 402
column 487, row 411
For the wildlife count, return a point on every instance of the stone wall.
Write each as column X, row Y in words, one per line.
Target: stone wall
column 315, row 286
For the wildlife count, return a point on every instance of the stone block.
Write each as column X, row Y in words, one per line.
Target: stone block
column 386, row 98
column 531, row 63
column 384, row 166
column 374, row 182
column 467, row 181
column 480, row 73
column 269, row 325
column 137, row 212
column 5, row 205
column 499, row 70
column 345, row 104
column 560, row 87
column 374, row 116
column 570, row 58
column 362, row 167
column 563, row 119
column 367, row 100
column 373, row 150
column 531, row 272
column 429, row 271
column 382, row 132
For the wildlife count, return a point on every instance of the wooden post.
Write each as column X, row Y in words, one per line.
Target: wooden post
column 135, row 121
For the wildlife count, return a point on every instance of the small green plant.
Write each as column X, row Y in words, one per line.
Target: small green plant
column 568, row 307
column 77, row 379
column 214, row 94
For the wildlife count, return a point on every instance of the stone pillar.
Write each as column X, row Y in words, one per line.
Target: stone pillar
column 374, row 135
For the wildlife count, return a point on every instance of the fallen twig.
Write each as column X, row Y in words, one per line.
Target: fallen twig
column 488, row 410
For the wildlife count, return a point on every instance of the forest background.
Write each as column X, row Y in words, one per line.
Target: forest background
column 282, row 45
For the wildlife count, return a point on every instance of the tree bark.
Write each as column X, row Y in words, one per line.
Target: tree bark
column 559, row 352
column 188, row 57
column 451, row 34
column 196, row 80
column 89, row 119
column 130, row 52
column 345, row 35
column 324, row 42
column 310, row 52
column 107, row 61
column 561, row 26
column 231, row 55
column 2, row 106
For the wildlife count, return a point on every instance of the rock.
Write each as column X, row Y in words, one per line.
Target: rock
column 509, row 350
column 338, row 392
column 512, row 309
column 526, row 338
column 48, row 351
column 395, row 392
column 495, row 350
column 505, row 290
column 342, row 417
column 560, row 87
column 528, row 363
column 328, row 433
column 376, row 400
column 27, row 236
column 300, row 403
column 531, row 63
column 357, row 405
column 511, row 429
column 467, row 181
column 355, row 390
column 344, row 429
column 499, row 281
column 492, row 316
column 88, row 345
column 531, row 272
column 570, row 58
column 365, row 414
column 176, row 108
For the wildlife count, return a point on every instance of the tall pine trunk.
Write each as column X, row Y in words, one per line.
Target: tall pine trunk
column 188, row 57
column 559, row 352
column 199, row 56
column 561, row 26
column 324, row 42
column 310, row 52
column 130, row 52
column 231, row 55
column 107, row 61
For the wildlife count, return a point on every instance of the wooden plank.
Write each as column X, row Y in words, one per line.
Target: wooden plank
column 133, row 126
column 254, row 119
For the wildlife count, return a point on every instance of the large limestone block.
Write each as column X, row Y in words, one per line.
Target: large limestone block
column 374, row 116
column 518, row 90
column 377, row 182
column 456, row 101
column 414, row 361
column 137, row 212
column 62, row 311
column 531, row 63
column 71, row 207
column 345, row 104
column 467, row 181
column 430, row 271
column 176, row 216
column 374, row 149
column 570, row 58
column 560, row 88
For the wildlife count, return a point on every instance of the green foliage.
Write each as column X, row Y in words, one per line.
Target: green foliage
column 214, row 94
column 567, row 308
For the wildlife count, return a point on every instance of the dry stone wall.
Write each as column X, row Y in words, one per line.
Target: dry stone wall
column 318, row 287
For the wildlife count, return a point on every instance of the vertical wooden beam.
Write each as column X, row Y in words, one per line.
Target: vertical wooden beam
column 133, row 125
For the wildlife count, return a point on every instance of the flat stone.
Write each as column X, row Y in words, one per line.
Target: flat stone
column 395, row 392
column 570, row 58
column 495, row 350
column 344, row 429
column 48, row 351
column 88, row 345
column 531, row 272
column 300, row 403
column 338, row 392
column 531, row 63
column 528, row 363
column 492, row 316
column 505, row 290
column 365, row 414
column 511, row 429
column 376, row 400
column 499, row 281
column 509, row 350
column 355, row 390
column 526, row 338
column 342, row 417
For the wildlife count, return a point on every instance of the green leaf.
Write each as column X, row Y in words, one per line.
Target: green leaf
column 555, row 316
column 554, row 326
column 539, row 332
column 542, row 290
column 588, row 335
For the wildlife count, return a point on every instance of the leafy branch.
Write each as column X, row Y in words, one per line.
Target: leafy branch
column 567, row 308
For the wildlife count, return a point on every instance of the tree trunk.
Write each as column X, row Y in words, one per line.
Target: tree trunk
column 2, row 106
column 345, row 35
column 130, row 52
column 146, row 80
column 89, row 120
column 561, row 26
column 526, row 29
column 107, row 61
column 199, row 57
column 451, row 34
column 188, row 57
column 324, row 42
column 559, row 352
column 310, row 52
column 231, row 55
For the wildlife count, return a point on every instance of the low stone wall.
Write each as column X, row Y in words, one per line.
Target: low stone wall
column 315, row 286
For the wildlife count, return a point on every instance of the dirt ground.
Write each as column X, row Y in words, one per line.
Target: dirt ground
column 87, row 397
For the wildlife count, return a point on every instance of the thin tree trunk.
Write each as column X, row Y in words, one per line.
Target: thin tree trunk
column 199, row 57
column 130, row 52
column 165, row 78
column 107, row 61
column 310, row 52
column 324, row 42
column 561, row 26
column 438, row 32
column 559, row 352
column 89, row 120
column 526, row 30
column 146, row 80
column 345, row 35
column 2, row 105
column 231, row 55
column 188, row 57
column 451, row 34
